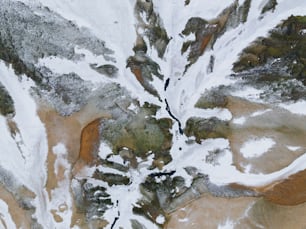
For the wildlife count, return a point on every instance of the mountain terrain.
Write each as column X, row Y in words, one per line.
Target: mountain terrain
column 152, row 114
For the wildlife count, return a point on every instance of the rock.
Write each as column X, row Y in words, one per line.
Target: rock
column 93, row 200
column 53, row 36
column 139, row 133
column 158, row 193
column 111, row 178
column 108, row 70
column 206, row 128
column 67, row 93
column 212, row 99
column 153, row 28
column 269, row 6
column 6, row 102
column 206, row 32
column 144, row 69
column 277, row 62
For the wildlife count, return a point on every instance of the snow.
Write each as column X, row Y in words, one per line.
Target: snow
column 160, row 219
column 228, row 224
column 114, row 22
column 26, row 159
column 239, row 121
column 104, row 150
column 260, row 112
column 256, row 147
column 298, row 107
column 127, row 196
column 294, row 148
column 82, row 67
column 61, row 200
column 5, row 217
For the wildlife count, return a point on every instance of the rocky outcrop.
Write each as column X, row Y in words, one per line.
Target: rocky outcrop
column 206, row 128
column 149, row 28
column 30, row 33
column 207, row 31
column 6, row 102
column 269, row 6
column 212, row 98
column 151, row 24
column 277, row 63
column 139, row 133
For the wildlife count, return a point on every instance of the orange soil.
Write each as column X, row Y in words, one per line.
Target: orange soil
column 205, row 42
column 89, row 141
column 137, row 72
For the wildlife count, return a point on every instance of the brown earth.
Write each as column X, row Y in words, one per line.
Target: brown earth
column 80, row 135
column 20, row 216
column 208, row 212
column 283, row 203
column 291, row 191
column 89, row 142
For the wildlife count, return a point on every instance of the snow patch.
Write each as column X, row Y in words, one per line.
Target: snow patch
column 256, row 147
column 293, row 148
column 296, row 108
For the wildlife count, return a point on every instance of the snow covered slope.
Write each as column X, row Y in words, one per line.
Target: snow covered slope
column 115, row 113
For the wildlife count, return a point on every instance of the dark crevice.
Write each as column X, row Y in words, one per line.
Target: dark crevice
column 166, row 84
column 160, row 174
column 117, row 217
column 175, row 118
column 115, row 220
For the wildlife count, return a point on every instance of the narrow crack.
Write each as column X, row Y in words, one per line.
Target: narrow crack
column 175, row 118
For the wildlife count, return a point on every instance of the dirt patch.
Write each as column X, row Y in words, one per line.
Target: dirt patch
column 291, row 191
column 209, row 212
column 80, row 135
column 245, row 212
column 284, row 128
column 20, row 216
column 90, row 142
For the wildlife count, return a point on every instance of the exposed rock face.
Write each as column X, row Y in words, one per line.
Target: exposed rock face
column 212, row 99
column 144, row 69
column 290, row 191
column 139, row 133
column 206, row 128
column 6, row 102
column 53, row 36
column 207, row 31
column 277, row 63
column 270, row 6
column 149, row 28
column 106, row 69
column 151, row 23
